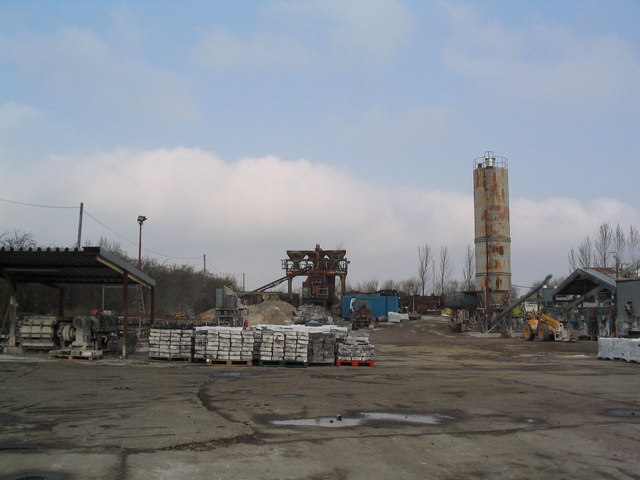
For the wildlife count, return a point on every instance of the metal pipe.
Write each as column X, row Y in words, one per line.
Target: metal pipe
column 520, row 300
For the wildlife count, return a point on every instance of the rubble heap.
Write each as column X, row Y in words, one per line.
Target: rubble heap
column 355, row 346
column 315, row 314
column 170, row 343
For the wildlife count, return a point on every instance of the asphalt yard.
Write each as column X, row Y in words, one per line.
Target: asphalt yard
column 436, row 405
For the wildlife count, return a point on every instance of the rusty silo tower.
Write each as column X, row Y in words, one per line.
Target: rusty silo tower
column 492, row 231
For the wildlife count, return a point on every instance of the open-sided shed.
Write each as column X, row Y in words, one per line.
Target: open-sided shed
column 59, row 267
column 587, row 282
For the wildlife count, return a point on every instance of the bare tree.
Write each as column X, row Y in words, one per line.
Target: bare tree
column 585, row 253
column 603, row 245
column 632, row 255
column 425, row 259
column 573, row 259
column 389, row 285
column 367, row 286
column 469, row 270
column 619, row 244
column 17, row 239
column 411, row 286
column 445, row 269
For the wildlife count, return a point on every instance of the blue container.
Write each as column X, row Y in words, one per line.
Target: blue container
column 378, row 306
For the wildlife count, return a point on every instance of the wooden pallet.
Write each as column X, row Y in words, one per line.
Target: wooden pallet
column 283, row 363
column 322, row 364
column 229, row 362
column 169, row 359
column 73, row 356
column 355, row 363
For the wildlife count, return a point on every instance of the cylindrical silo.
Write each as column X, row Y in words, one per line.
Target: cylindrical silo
column 492, row 231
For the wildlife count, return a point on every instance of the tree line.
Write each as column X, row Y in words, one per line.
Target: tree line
column 609, row 248
column 434, row 275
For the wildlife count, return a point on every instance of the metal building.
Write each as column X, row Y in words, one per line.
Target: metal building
column 492, row 230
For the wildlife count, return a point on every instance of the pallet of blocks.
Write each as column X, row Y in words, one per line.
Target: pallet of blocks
column 354, row 349
column 271, row 346
column 171, row 343
column 322, row 348
column 282, row 346
column 224, row 345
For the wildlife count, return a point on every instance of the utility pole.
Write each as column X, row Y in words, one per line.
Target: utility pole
column 80, row 227
column 204, row 258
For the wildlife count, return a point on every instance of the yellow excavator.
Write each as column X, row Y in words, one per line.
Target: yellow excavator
column 545, row 328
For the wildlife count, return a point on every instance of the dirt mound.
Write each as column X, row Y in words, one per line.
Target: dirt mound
column 272, row 312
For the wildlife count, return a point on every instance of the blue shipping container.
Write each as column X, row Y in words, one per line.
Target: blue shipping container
column 377, row 305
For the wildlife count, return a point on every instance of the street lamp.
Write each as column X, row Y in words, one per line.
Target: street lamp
column 139, row 300
column 141, row 220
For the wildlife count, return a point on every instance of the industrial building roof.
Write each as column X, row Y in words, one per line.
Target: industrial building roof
column 584, row 279
column 89, row 265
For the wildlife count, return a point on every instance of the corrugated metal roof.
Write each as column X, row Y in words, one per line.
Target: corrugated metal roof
column 90, row 265
column 584, row 279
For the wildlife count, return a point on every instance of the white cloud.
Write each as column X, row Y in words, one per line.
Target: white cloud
column 547, row 62
column 245, row 214
column 82, row 67
column 316, row 34
column 14, row 114
column 223, row 49
column 373, row 29
column 392, row 129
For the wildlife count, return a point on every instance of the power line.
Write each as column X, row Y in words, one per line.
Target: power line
column 135, row 243
column 35, row 204
column 101, row 223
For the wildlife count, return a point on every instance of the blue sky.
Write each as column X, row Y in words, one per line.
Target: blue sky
column 263, row 126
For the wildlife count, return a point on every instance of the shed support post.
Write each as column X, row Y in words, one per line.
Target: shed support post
column 61, row 298
column 125, row 314
column 13, row 307
column 152, row 314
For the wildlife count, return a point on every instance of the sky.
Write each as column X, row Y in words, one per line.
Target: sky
column 242, row 129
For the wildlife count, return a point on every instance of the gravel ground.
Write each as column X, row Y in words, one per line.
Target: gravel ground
column 436, row 405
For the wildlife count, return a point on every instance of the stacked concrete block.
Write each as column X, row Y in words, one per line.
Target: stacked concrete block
column 224, row 343
column 296, row 346
column 271, row 345
column 170, row 343
column 355, row 347
column 200, row 345
column 619, row 349
column 322, row 347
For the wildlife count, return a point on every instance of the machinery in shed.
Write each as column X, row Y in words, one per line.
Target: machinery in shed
column 48, row 332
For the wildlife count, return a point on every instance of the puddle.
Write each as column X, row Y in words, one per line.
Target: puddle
column 5, row 418
column 340, row 395
column 247, row 373
column 288, row 395
column 240, row 392
column 37, row 476
column 532, row 421
column 618, row 412
column 365, row 418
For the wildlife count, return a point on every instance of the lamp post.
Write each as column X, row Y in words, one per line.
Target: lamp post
column 141, row 220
